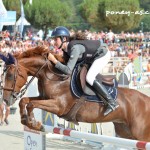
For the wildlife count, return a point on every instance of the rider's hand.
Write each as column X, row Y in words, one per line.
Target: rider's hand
column 52, row 58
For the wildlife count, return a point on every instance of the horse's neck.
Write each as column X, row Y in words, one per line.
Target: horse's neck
column 31, row 65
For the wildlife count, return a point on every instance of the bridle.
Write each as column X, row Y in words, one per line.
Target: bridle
column 16, row 95
column 12, row 77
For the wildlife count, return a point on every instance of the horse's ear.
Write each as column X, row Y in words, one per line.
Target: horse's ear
column 11, row 59
column 4, row 58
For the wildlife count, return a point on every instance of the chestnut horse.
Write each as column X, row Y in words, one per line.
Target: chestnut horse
column 130, row 119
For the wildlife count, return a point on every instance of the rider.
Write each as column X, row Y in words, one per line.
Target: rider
column 77, row 49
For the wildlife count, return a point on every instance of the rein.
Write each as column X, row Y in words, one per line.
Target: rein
column 19, row 94
column 62, row 76
column 22, row 92
column 15, row 94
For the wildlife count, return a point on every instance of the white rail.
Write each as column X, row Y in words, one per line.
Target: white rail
column 98, row 138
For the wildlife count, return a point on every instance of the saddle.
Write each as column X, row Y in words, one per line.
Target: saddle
column 80, row 87
column 105, row 79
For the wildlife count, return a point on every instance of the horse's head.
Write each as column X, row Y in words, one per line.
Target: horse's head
column 15, row 78
column 18, row 68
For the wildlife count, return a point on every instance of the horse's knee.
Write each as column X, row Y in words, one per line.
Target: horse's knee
column 23, row 101
column 30, row 105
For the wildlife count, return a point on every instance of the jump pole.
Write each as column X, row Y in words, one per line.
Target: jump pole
column 98, row 138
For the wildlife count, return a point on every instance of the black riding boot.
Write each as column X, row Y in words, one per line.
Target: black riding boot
column 101, row 91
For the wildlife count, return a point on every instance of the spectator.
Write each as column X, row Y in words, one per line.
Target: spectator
column 148, row 70
column 4, row 113
column 110, row 36
column 130, row 68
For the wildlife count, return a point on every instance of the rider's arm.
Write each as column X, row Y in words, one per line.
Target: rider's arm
column 76, row 52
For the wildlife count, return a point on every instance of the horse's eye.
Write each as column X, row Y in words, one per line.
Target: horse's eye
column 9, row 76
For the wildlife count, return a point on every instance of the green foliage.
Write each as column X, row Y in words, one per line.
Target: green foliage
column 46, row 13
column 83, row 14
column 24, row 1
column 145, row 4
column 13, row 5
column 88, row 10
column 76, row 21
column 120, row 22
column 146, row 24
column 95, row 13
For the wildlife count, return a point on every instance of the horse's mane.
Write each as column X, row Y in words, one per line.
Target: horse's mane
column 39, row 50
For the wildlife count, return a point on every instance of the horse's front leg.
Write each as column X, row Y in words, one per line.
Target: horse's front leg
column 22, row 104
column 50, row 105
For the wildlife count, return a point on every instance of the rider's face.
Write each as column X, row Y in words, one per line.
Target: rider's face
column 57, row 42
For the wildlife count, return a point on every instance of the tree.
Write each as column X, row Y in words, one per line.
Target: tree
column 24, row 1
column 145, row 4
column 47, row 13
column 13, row 5
column 88, row 10
column 107, row 14
column 76, row 21
column 145, row 24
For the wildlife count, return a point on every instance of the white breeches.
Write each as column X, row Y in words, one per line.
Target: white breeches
column 97, row 67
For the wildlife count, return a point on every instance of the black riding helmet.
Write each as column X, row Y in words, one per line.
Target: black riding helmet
column 61, row 32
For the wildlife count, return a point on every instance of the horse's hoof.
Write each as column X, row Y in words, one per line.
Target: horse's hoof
column 38, row 126
column 24, row 122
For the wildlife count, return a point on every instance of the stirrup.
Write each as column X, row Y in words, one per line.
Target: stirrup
column 110, row 108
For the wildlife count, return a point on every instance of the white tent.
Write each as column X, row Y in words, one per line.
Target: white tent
column 25, row 22
column 3, row 13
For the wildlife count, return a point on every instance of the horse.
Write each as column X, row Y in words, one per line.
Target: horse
column 130, row 119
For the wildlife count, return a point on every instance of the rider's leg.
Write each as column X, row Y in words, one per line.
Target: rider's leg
column 101, row 90
column 96, row 68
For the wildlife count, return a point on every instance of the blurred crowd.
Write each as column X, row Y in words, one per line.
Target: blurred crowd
column 15, row 44
column 124, row 44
